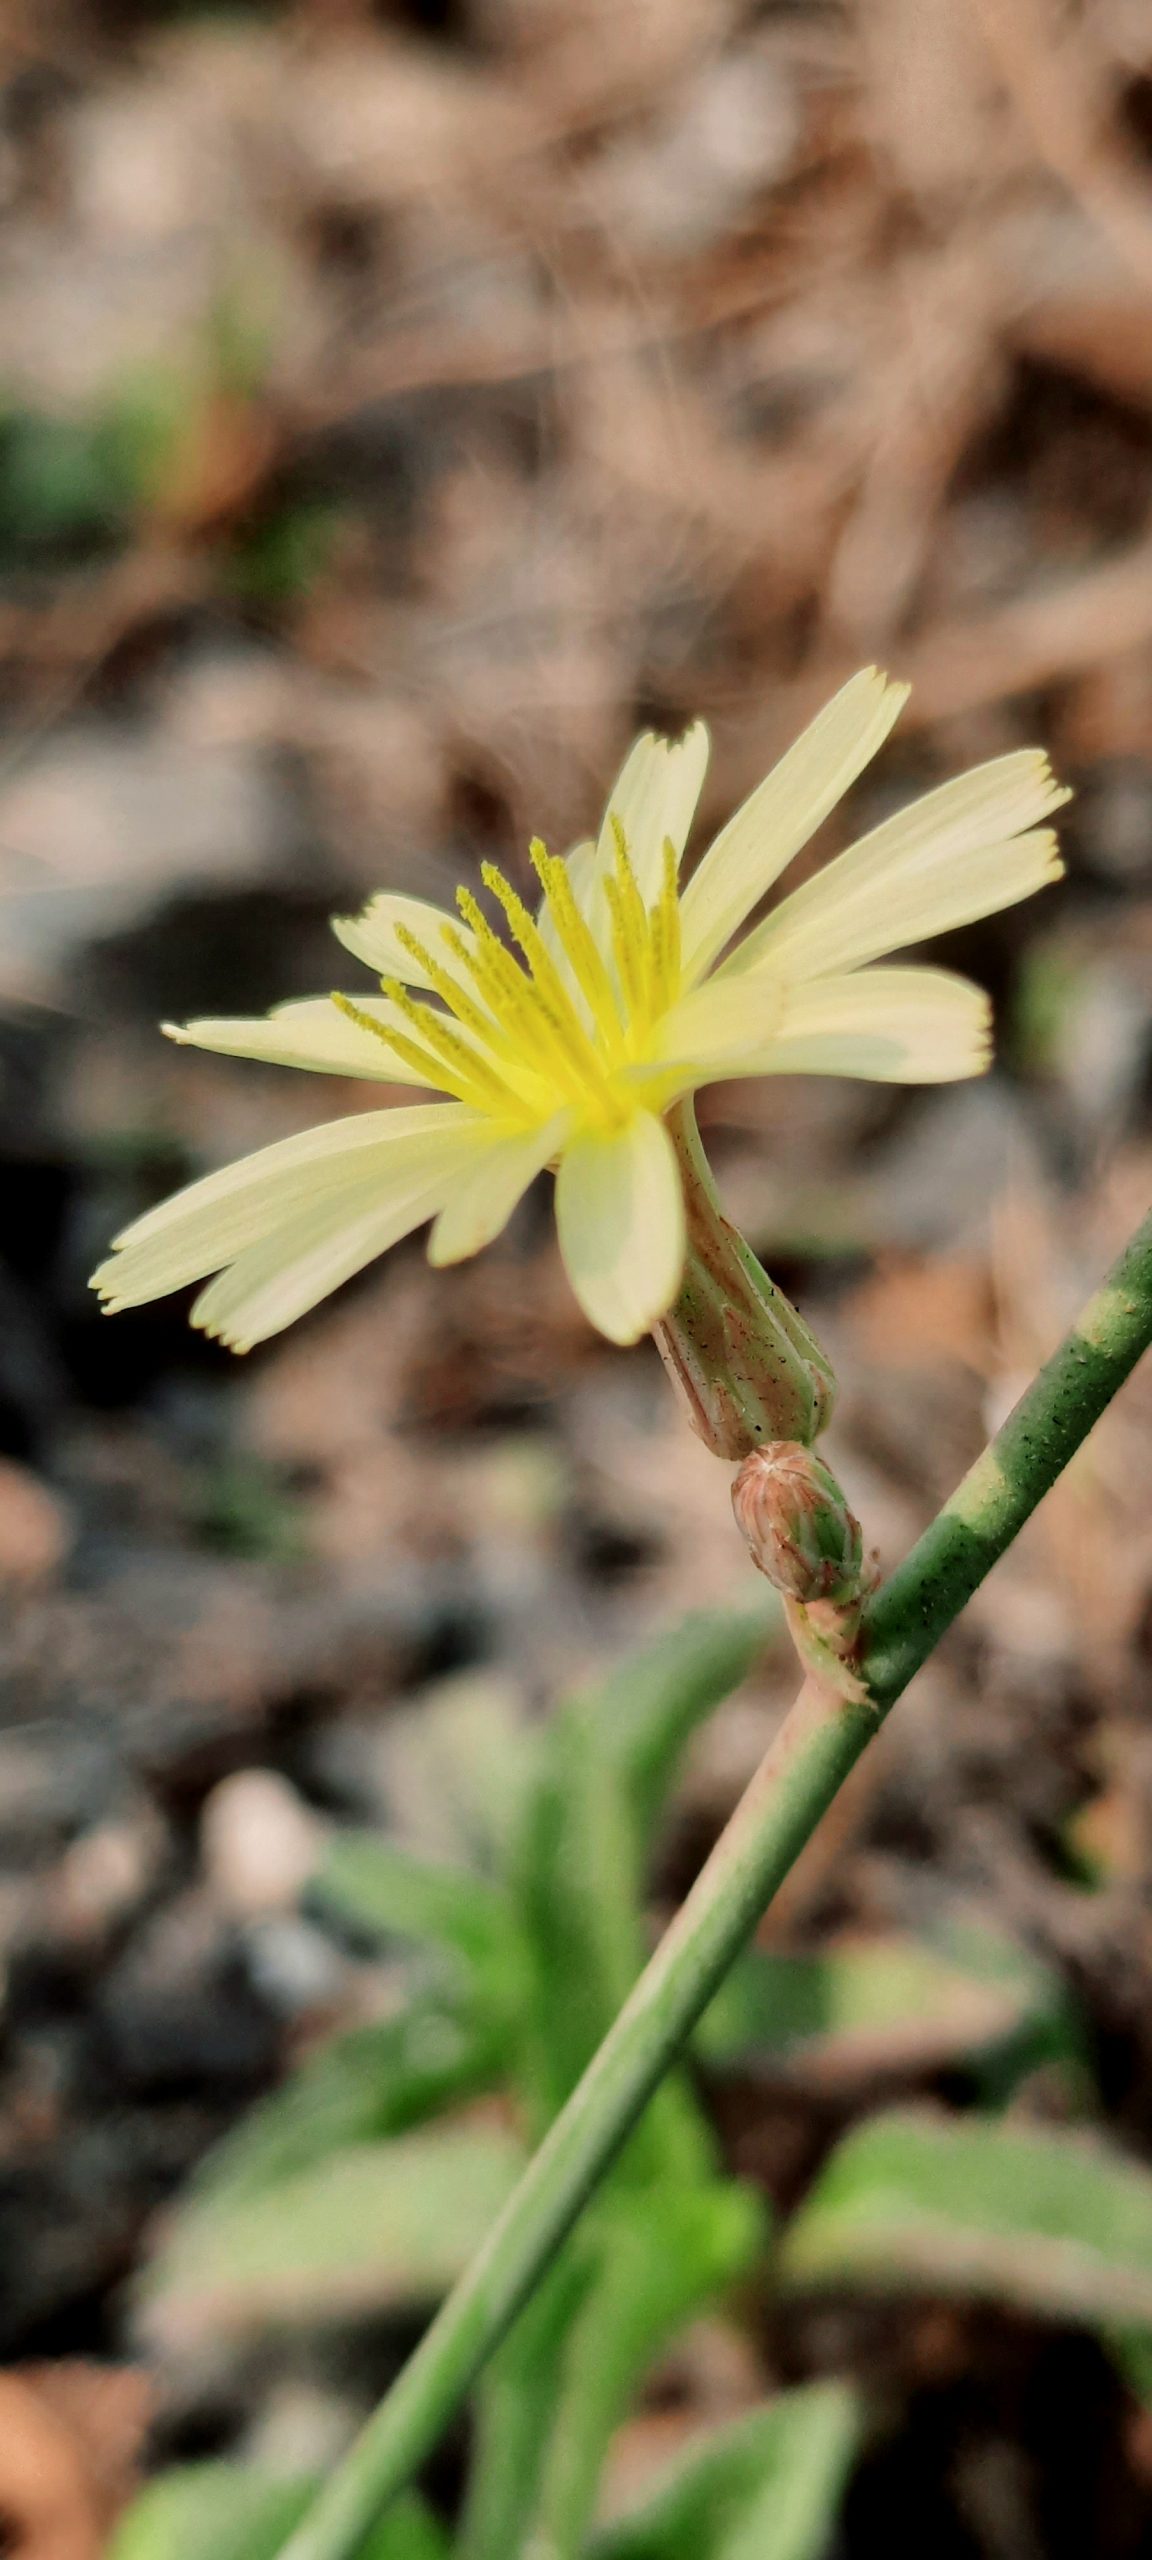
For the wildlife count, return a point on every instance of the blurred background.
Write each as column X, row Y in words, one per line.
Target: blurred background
column 399, row 405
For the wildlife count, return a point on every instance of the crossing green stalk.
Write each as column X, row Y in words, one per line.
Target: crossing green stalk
column 821, row 1739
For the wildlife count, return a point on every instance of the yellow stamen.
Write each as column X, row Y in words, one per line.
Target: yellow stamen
column 542, row 996
column 498, row 976
column 629, row 931
column 549, row 983
column 664, row 928
column 455, row 996
column 428, row 1068
column 575, row 938
column 455, row 1068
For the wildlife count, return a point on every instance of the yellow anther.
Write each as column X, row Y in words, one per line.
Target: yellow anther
column 629, row 929
column 527, row 933
column 428, row 1068
column 575, row 938
column 496, row 973
column 455, row 996
column 664, row 933
column 576, row 1056
column 486, row 1087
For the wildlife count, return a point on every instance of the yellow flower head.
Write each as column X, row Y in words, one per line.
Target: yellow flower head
column 564, row 1037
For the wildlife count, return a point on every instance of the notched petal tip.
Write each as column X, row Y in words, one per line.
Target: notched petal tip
column 891, row 689
column 107, row 1282
column 227, row 1341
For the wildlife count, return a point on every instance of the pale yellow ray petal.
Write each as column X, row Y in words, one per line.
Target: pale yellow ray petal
column 310, row 1032
column 959, row 853
column 620, row 1218
column 280, row 1278
column 753, row 849
column 724, row 1014
column 373, row 938
column 482, row 1202
column 654, row 797
column 890, row 1026
column 203, row 1226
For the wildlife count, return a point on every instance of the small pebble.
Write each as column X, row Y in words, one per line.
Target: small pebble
column 105, row 1873
column 35, row 1533
column 260, row 1844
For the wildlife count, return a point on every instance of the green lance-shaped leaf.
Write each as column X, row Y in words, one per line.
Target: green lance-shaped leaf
column 579, row 1891
column 515, row 2413
column 656, row 2263
column 383, row 2226
column 455, row 1767
column 388, row 1892
column 767, row 2487
column 1057, row 2222
column 648, row 1710
column 378, row 2079
column 885, row 2004
column 223, row 2511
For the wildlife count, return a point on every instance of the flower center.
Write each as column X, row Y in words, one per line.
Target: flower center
column 556, row 1023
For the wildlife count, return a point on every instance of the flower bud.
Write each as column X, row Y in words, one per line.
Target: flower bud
column 743, row 1363
column 797, row 1525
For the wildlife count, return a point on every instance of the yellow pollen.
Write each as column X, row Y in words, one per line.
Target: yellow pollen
column 576, row 1058
column 455, row 996
column 575, row 939
column 554, row 1023
column 629, row 936
column 501, row 979
column 437, row 1048
column 427, row 1067
column 549, row 983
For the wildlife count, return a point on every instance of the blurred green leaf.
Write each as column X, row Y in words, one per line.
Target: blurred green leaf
column 579, row 1891
column 606, row 1761
column 383, row 2226
column 768, row 2487
column 514, row 2412
column 143, row 427
column 1050, row 979
column 60, row 490
column 223, row 2511
column 882, row 2004
column 388, row 1892
column 210, row 2511
column 648, row 1709
column 377, row 2080
column 654, row 2268
column 243, row 321
column 1055, row 2221
column 577, row 1887
column 242, row 1507
column 457, row 1769
column 281, row 556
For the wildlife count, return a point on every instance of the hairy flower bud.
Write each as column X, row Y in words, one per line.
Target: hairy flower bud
column 797, row 1525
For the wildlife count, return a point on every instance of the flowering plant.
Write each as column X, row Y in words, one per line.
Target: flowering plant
column 568, row 1040
column 575, row 1037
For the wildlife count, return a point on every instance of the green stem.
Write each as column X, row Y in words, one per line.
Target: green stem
column 817, row 1745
